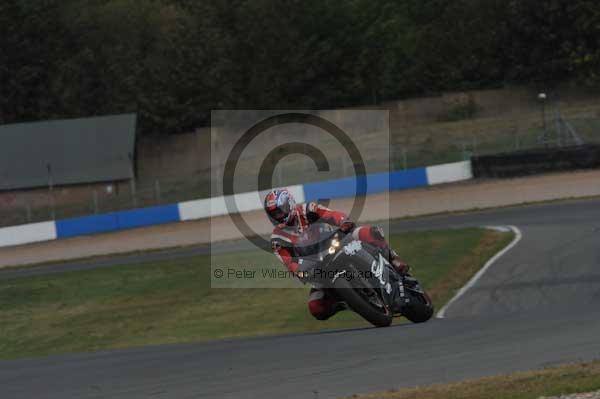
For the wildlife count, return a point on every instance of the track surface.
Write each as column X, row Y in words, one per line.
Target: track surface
column 537, row 306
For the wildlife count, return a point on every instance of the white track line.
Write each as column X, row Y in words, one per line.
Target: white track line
column 518, row 236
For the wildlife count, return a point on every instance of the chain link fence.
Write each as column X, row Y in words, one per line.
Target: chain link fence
column 410, row 147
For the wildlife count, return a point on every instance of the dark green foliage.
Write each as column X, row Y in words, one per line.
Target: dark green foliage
column 172, row 61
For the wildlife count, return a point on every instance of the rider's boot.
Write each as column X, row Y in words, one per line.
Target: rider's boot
column 323, row 304
column 374, row 235
column 403, row 269
column 400, row 266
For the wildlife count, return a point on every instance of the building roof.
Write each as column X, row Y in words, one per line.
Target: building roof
column 65, row 152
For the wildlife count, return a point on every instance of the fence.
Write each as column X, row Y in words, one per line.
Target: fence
column 412, row 146
column 216, row 206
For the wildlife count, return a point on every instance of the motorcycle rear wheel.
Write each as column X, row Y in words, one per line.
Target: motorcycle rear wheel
column 420, row 308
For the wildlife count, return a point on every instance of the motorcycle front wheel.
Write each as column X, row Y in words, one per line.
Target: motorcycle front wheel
column 364, row 300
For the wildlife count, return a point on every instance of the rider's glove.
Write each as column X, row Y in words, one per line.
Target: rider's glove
column 346, row 226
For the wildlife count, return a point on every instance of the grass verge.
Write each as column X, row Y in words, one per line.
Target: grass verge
column 562, row 380
column 172, row 301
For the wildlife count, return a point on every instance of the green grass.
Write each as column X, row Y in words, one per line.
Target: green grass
column 172, row 301
column 562, row 380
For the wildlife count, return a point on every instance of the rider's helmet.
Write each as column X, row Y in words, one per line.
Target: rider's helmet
column 280, row 206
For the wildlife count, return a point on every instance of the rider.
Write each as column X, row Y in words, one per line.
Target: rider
column 291, row 219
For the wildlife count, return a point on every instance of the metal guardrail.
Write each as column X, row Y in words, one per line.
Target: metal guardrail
column 536, row 161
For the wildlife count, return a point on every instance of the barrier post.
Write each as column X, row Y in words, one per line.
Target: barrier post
column 544, row 137
column 132, row 181
column 51, row 193
column 95, row 200
column 28, row 212
column 157, row 191
column 466, row 153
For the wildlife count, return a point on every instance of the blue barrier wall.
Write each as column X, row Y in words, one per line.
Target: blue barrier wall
column 410, row 178
column 148, row 216
column 340, row 188
column 375, row 183
column 330, row 189
column 86, row 225
column 117, row 221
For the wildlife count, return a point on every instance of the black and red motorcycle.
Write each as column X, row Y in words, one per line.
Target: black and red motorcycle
column 361, row 276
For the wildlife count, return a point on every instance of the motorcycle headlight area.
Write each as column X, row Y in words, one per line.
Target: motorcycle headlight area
column 335, row 244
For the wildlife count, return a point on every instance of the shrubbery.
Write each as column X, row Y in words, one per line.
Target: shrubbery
column 174, row 60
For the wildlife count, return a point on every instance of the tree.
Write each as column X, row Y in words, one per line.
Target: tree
column 172, row 61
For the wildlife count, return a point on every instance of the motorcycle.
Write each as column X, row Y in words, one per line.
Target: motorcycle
column 361, row 276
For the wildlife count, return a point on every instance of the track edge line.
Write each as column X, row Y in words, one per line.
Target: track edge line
column 518, row 236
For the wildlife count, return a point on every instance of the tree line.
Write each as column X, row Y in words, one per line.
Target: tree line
column 172, row 61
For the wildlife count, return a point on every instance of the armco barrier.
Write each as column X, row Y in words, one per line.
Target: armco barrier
column 208, row 207
column 449, row 173
column 530, row 162
column 117, row 221
column 196, row 209
column 405, row 179
column 87, row 225
column 375, row 183
column 27, row 233
column 148, row 216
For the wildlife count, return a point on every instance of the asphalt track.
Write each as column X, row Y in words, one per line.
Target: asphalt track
column 537, row 306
